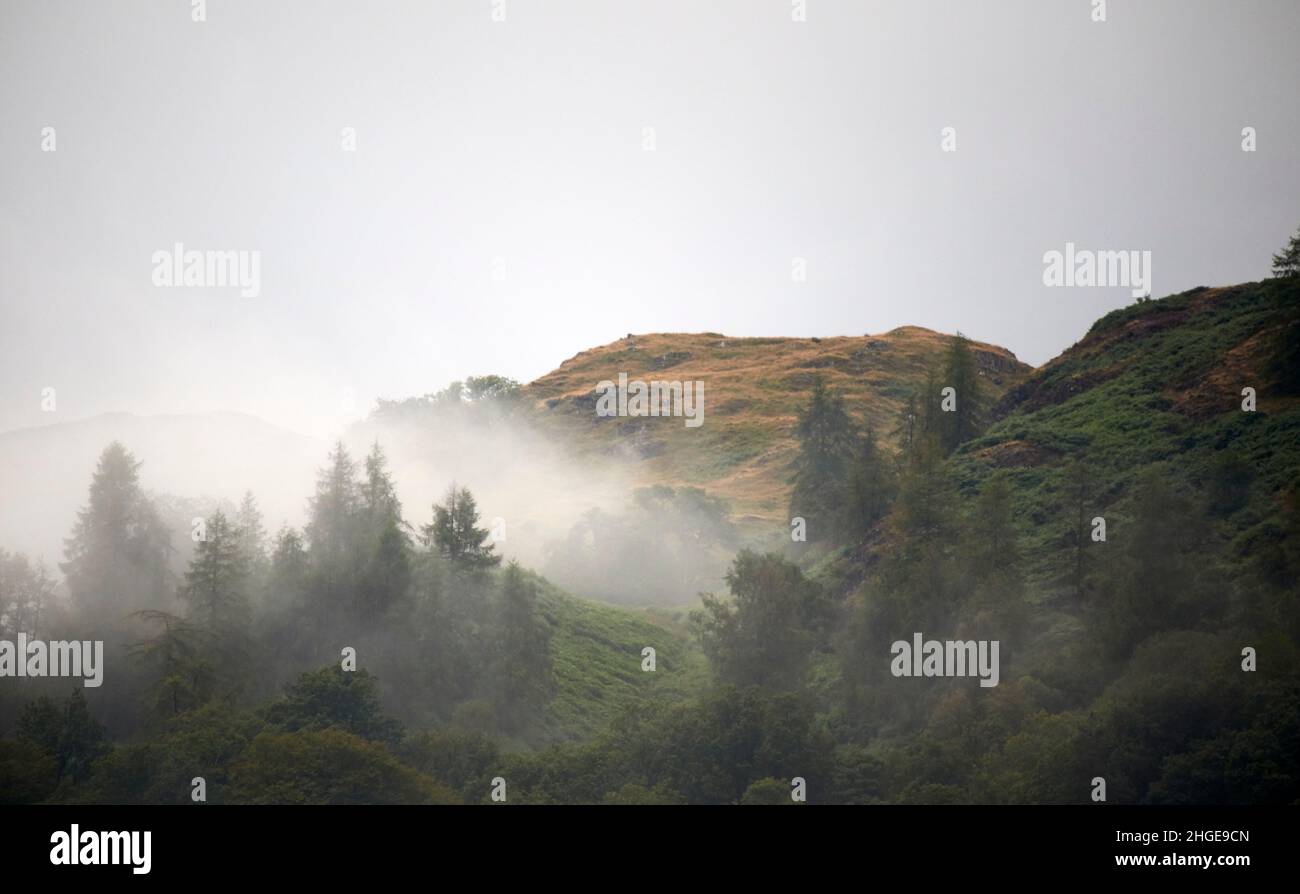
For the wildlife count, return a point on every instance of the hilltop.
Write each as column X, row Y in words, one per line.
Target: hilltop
column 753, row 389
column 1155, row 382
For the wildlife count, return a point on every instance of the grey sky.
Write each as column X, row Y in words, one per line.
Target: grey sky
column 522, row 140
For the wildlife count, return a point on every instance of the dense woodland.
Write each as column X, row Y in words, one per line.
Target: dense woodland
column 1120, row 658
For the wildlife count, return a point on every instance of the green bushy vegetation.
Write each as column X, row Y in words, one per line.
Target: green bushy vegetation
column 1121, row 656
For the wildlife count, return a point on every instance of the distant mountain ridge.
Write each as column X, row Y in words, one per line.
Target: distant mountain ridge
column 45, row 470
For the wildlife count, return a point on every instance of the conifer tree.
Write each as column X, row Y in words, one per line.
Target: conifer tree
column 378, row 493
column 522, row 671
column 455, row 534
column 331, row 527
column 1286, row 263
column 251, row 533
column 826, row 445
column 871, row 486
column 387, row 572
column 115, row 561
column 960, row 373
column 216, row 582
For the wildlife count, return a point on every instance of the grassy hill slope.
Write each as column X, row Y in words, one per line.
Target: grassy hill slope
column 596, row 654
column 753, row 388
column 1159, row 381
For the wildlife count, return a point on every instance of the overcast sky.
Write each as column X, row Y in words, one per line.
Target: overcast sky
column 502, row 211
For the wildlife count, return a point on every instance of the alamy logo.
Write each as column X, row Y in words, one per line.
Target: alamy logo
column 656, row 399
column 208, row 269
column 1082, row 268
column 36, row 658
column 77, row 848
column 953, row 658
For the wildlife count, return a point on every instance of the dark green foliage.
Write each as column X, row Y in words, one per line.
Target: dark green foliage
column 872, row 486
column 334, row 698
column 766, row 634
column 455, row 534
column 521, row 670
column 179, row 657
column 464, row 762
column 28, row 773
column 768, row 792
column 1286, row 263
column 66, row 734
column 826, row 447
column 328, row 766
column 1154, row 577
column 958, row 425
column 216, row 584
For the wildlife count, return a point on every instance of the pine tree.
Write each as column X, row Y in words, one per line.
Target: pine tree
column 387, row 573
column 338, row 544
column 522, row 671
column 216, row 583
column 992, row 530
column 962, row 375
column 180, row 658
column 290, row 566
column 1284, row 364
column 115, row 560
column 250, row 532
column 25, row 591
column 907, row 431
column 1286, row 263
column 826, row 445
column 872, row 486
column 455, row 534
column 331, row 527
column 378, row 493
column 70, row 735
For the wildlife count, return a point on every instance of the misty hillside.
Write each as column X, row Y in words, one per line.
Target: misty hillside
column 1121, row 652
column 753, row 388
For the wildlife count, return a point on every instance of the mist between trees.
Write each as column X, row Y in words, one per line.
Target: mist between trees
column 390, row 650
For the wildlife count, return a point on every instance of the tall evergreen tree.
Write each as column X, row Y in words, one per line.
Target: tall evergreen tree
column 962, row 375
column 522, row 666
column 68, row 734
column 26, row 589
column 115, row 561
column 180, row 657
column 1286, row 263
column 332, row 522
column 871, row 487
column 251, row 533
column 216, row 583
column 826, row 445
column 455, row 534
column 378, row 493
column 387, row 572
column 289, row 567
column 1284, row 365
column 908, row 430
column 337, row 538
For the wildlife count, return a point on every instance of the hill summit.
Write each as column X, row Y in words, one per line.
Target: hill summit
column 753, row 390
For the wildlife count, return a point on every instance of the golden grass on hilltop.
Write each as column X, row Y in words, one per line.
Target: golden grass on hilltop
column 753, row 388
